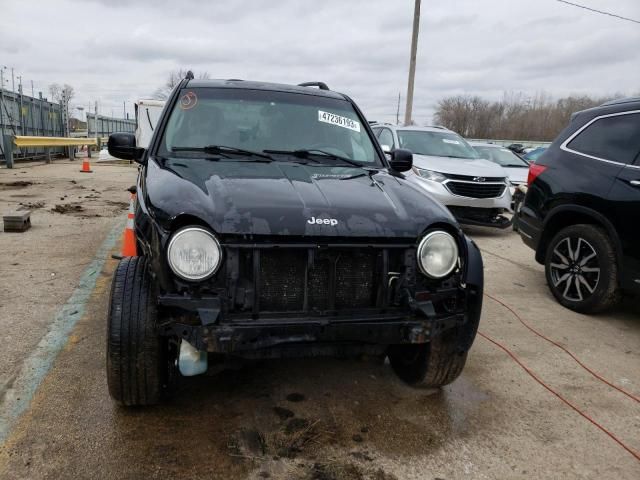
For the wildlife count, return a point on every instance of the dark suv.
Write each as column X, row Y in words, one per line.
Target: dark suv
column 581, row 213
column 270, row 224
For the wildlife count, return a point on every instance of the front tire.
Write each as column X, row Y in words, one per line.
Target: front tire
column 136, row 370
column 582, row 270
column 430, row 365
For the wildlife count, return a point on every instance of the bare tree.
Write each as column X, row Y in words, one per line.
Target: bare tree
column 516, row 116
column 57, row 91
column 174, row 79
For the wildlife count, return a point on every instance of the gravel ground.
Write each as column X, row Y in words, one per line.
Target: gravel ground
column 307, row 419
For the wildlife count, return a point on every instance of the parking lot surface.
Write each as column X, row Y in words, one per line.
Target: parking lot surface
column 303, row 419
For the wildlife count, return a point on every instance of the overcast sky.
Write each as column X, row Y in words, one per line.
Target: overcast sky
column 119, row 50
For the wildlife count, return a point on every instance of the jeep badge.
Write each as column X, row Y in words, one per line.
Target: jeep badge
column 323, row 221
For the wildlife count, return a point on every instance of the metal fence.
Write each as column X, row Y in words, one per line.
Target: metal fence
column 25, row 115
column 101, row 126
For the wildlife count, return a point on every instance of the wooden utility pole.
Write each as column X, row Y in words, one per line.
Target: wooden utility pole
column 412, row 63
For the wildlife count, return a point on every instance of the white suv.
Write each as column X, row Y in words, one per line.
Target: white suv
column 446, row 166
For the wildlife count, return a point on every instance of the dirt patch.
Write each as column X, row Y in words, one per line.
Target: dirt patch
column 282, row 413
column 295, row 397
column 296, row 436
column 287, row 441
column 120, row 205
column 67, row 208
column 31, row 205
column 15, row 184
column 335, row 471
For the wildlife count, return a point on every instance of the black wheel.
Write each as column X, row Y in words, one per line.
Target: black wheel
column 582, row 270
column 136, row 355
column 429, row 365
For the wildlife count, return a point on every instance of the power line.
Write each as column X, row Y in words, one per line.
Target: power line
column 599, row 11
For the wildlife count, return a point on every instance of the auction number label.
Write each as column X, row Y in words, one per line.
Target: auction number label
column 339, row 121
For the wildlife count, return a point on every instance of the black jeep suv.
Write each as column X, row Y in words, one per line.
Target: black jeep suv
column 581, row 213
column 269, row 223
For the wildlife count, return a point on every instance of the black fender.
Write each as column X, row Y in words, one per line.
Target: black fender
column 596, row 216
column 475, row 267
column 474, row 280
column 151, row 240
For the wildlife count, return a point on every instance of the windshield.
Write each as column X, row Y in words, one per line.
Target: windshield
column 502, row 156
column 533, row 155
column 259, row 120
column 436, row 144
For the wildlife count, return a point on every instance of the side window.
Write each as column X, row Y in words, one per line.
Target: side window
column 386, row 138
column 615, row 138
column 376, row 131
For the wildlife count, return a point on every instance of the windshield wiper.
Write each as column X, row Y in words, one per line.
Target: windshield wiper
column 299, row 154
column 303, row 153
column 224, row 151
column 199, row 149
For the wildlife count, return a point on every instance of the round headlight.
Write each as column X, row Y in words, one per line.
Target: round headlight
column 194, row 253
column 437, row 254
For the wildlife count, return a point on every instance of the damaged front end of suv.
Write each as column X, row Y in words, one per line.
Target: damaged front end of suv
column 270, row 224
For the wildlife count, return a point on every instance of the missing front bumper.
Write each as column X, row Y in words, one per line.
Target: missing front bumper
column 244, row 337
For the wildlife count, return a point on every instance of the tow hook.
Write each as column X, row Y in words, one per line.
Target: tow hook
column 191, row 361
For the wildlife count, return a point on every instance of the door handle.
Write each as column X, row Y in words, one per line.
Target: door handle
column 635, row 183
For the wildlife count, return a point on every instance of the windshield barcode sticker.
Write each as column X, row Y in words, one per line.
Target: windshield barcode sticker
column 334, row 119
column 453, row 142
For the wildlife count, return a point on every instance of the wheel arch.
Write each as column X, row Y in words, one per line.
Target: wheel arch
column 568, row 215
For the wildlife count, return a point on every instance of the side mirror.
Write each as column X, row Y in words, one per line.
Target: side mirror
column 401, row 160
column 386, row 148
column 123, row 146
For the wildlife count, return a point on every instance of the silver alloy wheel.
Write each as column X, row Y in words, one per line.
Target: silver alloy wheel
column 575, row 271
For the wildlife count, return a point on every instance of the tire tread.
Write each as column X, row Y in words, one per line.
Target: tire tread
column 134, row 372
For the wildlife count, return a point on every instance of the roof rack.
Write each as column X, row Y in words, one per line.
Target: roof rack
column 189, row 75
column 619, row 101
column 320, row 85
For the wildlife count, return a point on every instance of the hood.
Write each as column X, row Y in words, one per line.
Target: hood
column 238, row 197
column 517, row 175
column 459, row 166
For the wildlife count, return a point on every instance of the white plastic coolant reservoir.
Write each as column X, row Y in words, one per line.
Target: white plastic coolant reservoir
column 191, row 361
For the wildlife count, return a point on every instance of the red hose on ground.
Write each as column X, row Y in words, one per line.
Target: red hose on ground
column 564, row 349
column 564, row 400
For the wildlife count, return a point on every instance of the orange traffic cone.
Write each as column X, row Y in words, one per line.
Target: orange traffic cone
column 86, row 166
column 129, row 248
